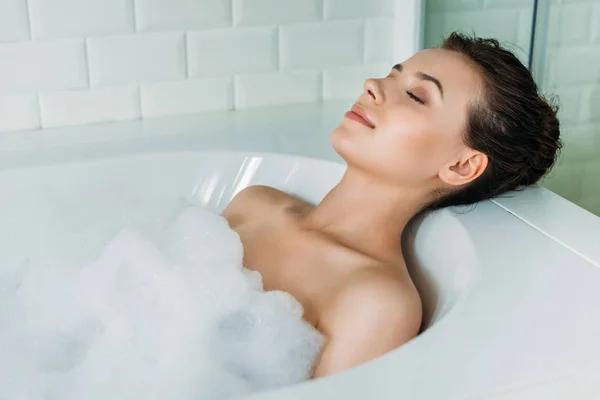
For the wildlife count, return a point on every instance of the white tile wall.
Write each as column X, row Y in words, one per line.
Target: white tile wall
column 18, row 112
column 187, row 97
column 490, row 4
column 573, row 65
column 378, row 39
column 232, row 51
column 571, row 70
column 83, row 60
column 322, row 45
column 595, row 28
column 136, row 59
column 14, row 22
column 89, row 106
column 563, row 31
column 443, row 6
column 50, row 18
column 262, row 12
column 570, row 98
column 278, row 88
column 347, row 82
column 508, row 20
column 181, row 14
column 44, row 65
column 344, row 9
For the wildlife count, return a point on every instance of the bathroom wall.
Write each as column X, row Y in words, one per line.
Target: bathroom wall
column 71, row 62
column 570, row 70
column 507, row 20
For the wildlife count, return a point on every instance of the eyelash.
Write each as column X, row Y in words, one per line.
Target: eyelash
column 415, row 98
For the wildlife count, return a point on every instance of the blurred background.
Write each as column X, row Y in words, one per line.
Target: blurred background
column 66, row 63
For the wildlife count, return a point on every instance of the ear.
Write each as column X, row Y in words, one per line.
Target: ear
column 465, row 170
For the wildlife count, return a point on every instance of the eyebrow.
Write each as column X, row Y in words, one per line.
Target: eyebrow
column 425, row 77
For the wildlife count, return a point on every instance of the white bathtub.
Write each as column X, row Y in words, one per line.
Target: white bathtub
column 511, row 288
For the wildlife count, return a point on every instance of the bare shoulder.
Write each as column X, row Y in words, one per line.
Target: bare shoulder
column 371, row 315
column 376, row 297
column 255, row 201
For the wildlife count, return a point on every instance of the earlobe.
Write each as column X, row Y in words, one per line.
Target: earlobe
column 465, row 170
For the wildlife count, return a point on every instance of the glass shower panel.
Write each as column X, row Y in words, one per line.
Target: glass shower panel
column 566, row 62
column 509, row 21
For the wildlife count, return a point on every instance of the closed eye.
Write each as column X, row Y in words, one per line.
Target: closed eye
column 415, row 98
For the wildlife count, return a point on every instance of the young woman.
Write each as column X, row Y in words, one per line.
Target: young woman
column 450, row 126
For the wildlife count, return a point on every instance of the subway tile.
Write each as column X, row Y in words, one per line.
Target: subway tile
column 590, row 182
column 182, row 14
column 570, row 104
column 571, row 66
column 507, row 4
column 232, row 51
column 265, row 12
column 581, row 142
column 347, row 82
column 19, row 112
column 379, row 39
column 590, row 104
column 591, row 202
column 43, row 65
column 595, row 28
column 523, row 40
column 348, row 9
column 570, row 24
column 499, row 24
column 566, row 181
column 279, row 88
column 123, row 60
column 452, row 5
column 434, row 30
column 321, row 45
column 68, row 18
column 187, row 97
column 89, row 106
column 14, row 23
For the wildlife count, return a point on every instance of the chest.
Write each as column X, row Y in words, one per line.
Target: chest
column 292, row 261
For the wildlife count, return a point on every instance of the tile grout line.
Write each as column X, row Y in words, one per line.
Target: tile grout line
column 186, row 55
column 364, row 46
column 279, row 49
column 38, row 97
column 140, row 103
column 86, row 57
column 234, row 92
column 134, row 16
column 233, row 14
column 28, row 7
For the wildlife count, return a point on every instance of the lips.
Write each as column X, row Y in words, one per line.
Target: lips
column 358, row 114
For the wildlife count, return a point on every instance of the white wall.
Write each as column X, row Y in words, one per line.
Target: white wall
column 71, row 62
column 571, row 71
column 507, row 20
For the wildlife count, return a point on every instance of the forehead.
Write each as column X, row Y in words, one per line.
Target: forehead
column 458, row 75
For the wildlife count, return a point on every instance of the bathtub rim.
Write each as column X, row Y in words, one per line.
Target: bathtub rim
column 547, row 212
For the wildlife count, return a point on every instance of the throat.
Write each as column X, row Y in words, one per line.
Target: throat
column 365, row 216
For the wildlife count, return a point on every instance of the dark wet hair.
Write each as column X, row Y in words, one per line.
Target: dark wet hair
column 512, row 124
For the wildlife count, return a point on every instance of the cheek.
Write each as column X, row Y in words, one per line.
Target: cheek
column 413, row 152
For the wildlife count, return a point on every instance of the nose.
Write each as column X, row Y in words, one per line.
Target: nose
column 374, row 91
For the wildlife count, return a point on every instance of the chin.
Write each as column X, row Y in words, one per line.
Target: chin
column 346, row 145
column 340, row 140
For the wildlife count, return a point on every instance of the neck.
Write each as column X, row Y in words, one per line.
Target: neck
column 366, row 215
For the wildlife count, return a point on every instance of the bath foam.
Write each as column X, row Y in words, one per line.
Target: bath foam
column 177, row 316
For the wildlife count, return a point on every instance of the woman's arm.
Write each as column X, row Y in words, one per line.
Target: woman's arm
column 369, row 319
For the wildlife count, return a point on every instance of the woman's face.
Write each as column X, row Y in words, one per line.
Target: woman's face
column 408, row 127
